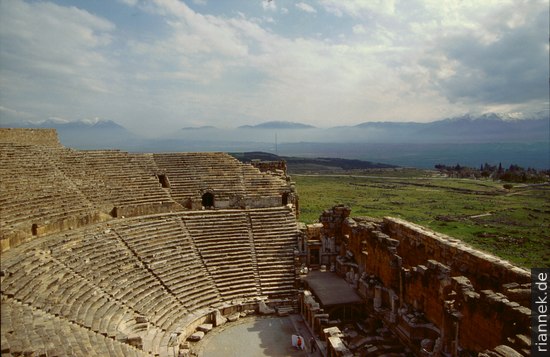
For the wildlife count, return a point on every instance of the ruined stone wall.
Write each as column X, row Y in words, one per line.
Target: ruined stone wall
column 489, row 320
column 423, row 289
column 418, row 244
column 41, row 137
column 434, row 286
column 374, row 251
column 270, row 166
column 333, row 220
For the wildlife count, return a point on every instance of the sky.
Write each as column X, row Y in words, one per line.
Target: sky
column 160, row 65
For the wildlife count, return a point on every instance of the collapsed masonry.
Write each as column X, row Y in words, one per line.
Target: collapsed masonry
column 434, row 293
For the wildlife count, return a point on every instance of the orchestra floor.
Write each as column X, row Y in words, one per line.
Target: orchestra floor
column 257, row 336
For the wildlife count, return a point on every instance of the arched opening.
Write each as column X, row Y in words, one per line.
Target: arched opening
column 208, row 200
column 34, row 229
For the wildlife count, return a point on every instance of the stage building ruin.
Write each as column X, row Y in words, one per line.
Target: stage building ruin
column 106, row 252
column 437, row 295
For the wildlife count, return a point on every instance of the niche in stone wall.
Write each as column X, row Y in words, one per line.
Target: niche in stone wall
column 208, row 200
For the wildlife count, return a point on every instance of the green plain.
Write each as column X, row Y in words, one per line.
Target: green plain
column 512, row 224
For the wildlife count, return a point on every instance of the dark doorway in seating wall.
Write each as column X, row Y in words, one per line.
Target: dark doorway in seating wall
column 208, row 200
column 285, row 198
column 163, row 180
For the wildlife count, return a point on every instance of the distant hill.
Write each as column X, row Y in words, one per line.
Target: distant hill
column 469, row 140
column 86, row 134
column 465, row 129
column 320, row 164
column 278, row 125
column 204, row 127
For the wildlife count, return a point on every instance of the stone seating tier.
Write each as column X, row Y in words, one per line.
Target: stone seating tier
column 33, row 190
column 29, row 331
column 192, row 173
column 275, row 251
column 101, row 278
column 66, row 189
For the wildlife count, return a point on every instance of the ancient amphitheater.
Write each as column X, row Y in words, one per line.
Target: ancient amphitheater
column 110, row 253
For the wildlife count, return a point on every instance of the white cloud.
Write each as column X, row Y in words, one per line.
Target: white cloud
column 129, row 2
column 269, row 5
column 305, row 7
column 9, row 114
column 359, row 8
column 359, row 29
column 235, row 68
column 52, row 56
column 477, row 54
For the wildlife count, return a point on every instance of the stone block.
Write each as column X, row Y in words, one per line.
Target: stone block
column 196, row 336
column 507, row 351
column 219, row 319
column 263, row 309
column 141, row 319
column 234, row 317
column 205, row 328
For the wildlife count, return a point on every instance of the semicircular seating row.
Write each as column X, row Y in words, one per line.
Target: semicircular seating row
column 97, row 287
column 65, row 188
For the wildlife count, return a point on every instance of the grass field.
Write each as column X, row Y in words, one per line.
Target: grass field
column 513, row 224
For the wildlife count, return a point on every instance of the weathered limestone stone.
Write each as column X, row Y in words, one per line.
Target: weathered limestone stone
column 507, row 351
column 263, row 309
column 234, row 317
column 219, row 319
column 205, row 328
column 141, row 319
column 135, row 341
column 197, row 336
column 284, row 311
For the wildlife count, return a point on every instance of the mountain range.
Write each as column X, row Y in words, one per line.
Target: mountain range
column 467, row 139
column 278, row 125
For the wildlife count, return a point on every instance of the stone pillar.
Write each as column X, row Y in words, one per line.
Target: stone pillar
column 449, row 330
column 377, row 297
column 394, row 306
column 456, row 323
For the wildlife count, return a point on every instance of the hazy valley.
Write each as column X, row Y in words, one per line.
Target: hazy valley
column 466, row 140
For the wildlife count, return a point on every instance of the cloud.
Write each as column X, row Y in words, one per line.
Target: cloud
column 269, row 5
column 129, row 2
column 359, row 29
column 305, row 7
column 10, row 115
column 52, row 55
column 359, row 8
column 496, row 60
column 415, row 60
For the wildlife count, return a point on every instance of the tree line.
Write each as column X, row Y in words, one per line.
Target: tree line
column 514, row 173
